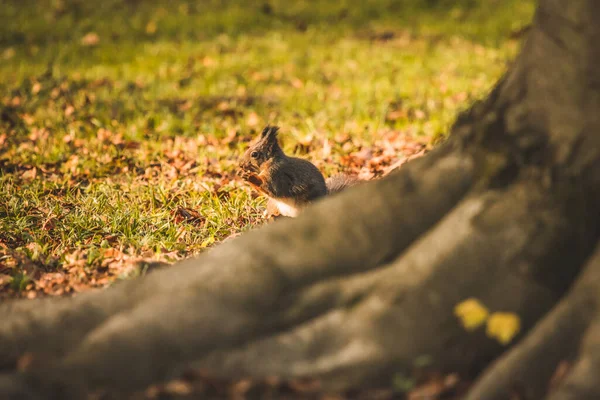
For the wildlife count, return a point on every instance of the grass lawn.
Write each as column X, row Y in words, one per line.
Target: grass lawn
column 121, row 122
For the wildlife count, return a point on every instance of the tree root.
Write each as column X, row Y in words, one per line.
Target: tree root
column 231, row 294
column 529, row 366
column 402, row 312
column 349, row 306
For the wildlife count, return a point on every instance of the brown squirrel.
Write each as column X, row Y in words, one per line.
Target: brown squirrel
column 290, row 183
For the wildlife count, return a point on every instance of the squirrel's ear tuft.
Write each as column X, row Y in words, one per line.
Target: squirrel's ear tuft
column 270, row 132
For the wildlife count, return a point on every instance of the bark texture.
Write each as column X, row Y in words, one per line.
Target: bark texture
column 362, row 286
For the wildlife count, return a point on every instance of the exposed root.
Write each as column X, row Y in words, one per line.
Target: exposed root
column 528, row 367
column 403, row 311
column 221, row 299
column 582, row 382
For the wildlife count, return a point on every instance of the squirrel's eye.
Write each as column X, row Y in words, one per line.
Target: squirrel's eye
column 254, row 154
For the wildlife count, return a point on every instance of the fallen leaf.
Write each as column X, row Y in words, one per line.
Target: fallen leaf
column 326, row 148
column 189, row 215
column 257, row 76
column 429, row 390
column 35, row 89
column 503, row 326
column 252, row 119
column 90, row 39
column 69, row 110
column 151, row 27
column 8, row 53
column 113, row 253
column 49, row 224
column 471, row 313
column 208, row 62
column 419, row 114
column 5, row 279
column 395, row 115
column 178, row 387
column 30, row 174
column 297, row 83
column 241, row 387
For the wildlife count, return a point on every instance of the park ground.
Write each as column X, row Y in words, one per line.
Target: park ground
column 121, row 122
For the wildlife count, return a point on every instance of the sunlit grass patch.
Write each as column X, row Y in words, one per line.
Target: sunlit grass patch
column 121, row 124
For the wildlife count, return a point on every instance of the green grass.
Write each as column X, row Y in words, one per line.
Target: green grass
column 102, row 144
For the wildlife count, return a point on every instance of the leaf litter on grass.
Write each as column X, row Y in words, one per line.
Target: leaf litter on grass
column 94, row 174
column 114, row 159
column 90, row 266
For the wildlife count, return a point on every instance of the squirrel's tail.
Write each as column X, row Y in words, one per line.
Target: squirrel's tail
column 339, row 182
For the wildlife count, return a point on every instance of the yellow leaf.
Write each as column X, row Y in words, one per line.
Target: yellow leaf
column 151, row 28
column 252, row 119
column 503, row 326
column 471, row 313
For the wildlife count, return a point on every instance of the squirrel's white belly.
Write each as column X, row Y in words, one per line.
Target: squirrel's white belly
column 287, row 207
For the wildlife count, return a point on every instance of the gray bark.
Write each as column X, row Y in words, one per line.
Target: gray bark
column 530, row 366
column 363, row 285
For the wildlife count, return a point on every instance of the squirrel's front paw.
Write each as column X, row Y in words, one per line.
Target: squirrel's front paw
column 252, row 178
column 255, row 180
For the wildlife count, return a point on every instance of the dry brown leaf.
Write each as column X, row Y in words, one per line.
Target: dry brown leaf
column 35, row 89
column 69, row 110
column 326, row 149
column 29, row 174
column 241, row 387
column 90, row 39
column 430, row 390
column 188, row 215
column 419, row 114
column 178, row 387
column 185, row 106
column 5, row 279
column 395, row 115
column 113, row 253
column 297, row 83
column 208, row 62
column 8, row 53
column 252, row 120
column 49, row 224
column 258, row 76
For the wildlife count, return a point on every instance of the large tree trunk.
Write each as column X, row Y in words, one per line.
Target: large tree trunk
column 363, row 285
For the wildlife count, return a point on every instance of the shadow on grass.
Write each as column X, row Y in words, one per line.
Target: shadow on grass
column 56, row 30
